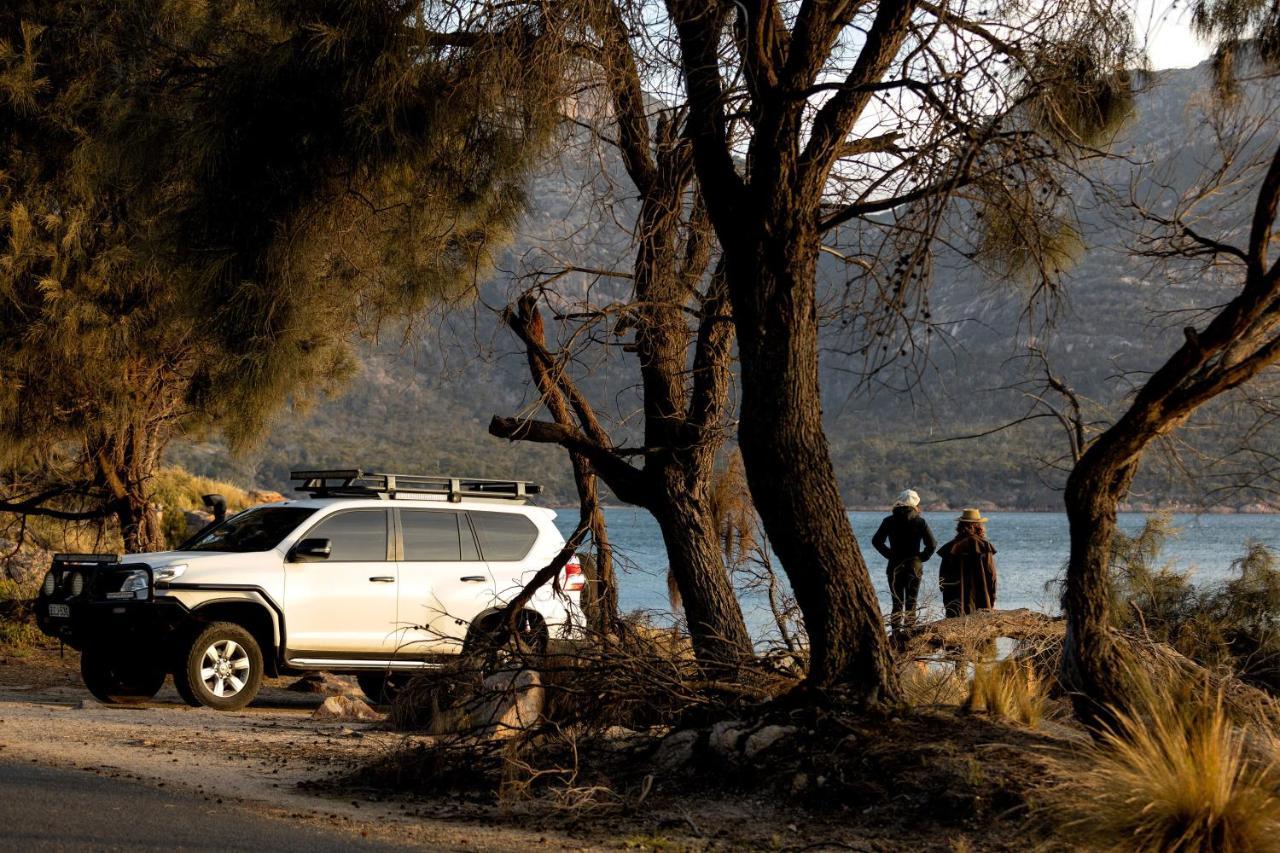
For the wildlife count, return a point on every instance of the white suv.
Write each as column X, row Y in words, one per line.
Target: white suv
column 372, row 574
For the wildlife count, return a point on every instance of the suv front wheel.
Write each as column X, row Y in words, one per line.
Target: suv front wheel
column 118, row 678
column 222, row 668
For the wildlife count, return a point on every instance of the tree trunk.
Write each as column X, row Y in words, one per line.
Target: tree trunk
column 716, row 627
column 600, row 604
column 139, row 524
column 788, row 462
column 126, row 464
column 1092, row 666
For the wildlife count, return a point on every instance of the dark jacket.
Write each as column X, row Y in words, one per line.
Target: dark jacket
column 903, row 536
column 967, row 575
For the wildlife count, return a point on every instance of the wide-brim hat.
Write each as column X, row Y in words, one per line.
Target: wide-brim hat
column 972, row 516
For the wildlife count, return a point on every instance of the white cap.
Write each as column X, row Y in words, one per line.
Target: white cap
column 908, row 498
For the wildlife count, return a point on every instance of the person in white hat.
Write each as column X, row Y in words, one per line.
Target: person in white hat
column 906, row 542
column 967, row 577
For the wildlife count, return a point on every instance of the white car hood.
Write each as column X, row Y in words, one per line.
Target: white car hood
column 204, row 566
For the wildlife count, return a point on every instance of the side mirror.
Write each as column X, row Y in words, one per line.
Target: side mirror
column 217, row 505
column 310, row 550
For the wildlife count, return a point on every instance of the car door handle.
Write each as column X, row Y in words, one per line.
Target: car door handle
column 472, row 578
column 382, row 579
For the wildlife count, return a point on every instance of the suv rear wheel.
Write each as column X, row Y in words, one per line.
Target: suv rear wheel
column 222, row 668
column 494, row 648
column 118, row 678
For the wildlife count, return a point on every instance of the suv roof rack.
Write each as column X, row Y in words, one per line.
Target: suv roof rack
column 354, row 482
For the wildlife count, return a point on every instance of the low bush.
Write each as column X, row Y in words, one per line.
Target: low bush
column 176, row 488
column 1008, row 688
column 1174, row 773
column 17, row 619
column 1230, row 626
column 641, row 677
column 926, row 685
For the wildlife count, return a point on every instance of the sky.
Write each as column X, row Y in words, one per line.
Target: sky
column 1165, row 29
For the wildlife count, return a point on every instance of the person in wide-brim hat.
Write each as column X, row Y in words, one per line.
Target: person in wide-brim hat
column 967, row 576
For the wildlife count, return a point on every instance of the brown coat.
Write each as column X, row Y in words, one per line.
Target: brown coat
column 968, row 575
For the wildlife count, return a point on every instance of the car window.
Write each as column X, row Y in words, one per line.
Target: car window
column 504, row 535
column 356, row 536
column 252, row 530
column 431, row 535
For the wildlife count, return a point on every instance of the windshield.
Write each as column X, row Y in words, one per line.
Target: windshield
column 252, row 530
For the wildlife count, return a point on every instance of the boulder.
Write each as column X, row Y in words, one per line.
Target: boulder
column 509, row 703
column 326, row 684
column 197, row 520
column 619, row 738
column 676, row 750
column 345, row 709
column 25, row 567
column 724, row 736
column 766, row 738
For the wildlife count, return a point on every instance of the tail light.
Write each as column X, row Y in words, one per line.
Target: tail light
column 574, row 579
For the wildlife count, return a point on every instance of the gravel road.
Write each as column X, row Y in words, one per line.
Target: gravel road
column 200, row 777
column 42, row 808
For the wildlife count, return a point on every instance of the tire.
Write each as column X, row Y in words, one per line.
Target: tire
column 381, row 687
column 493, row 649
column 118, row 678
column 221, row 668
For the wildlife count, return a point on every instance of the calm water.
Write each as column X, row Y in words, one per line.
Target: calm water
column 1032, row 550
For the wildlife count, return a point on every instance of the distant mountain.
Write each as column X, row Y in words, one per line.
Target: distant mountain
column 426, row 406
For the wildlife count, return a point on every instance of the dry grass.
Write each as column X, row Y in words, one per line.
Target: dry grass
column 18, row 630
column 1009, row 688
column 925, row 685
column 177, row 489
column 1175, row 773
column 643, row 676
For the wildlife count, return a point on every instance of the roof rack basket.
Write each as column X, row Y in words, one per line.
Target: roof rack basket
column 354, row 482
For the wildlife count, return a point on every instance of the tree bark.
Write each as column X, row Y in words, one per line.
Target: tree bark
column 139, row 524
column 1241, row 340
column 1092, row 666
column 766, row 217
column 711, row 609
column 789, row 468
column 600, row 604
column 126, row 464
column 683, row 409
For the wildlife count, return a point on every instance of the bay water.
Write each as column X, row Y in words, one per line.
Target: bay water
column 1032, row 551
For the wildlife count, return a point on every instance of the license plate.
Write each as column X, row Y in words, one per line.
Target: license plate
column 60, row 611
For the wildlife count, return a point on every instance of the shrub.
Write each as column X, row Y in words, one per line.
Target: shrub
column 1174, row 773
column 1009, row 688
column 177, row 489
column 17, row 622
column 941, row 684
column 1231, row 626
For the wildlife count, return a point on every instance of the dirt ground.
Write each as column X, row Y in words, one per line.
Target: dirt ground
column 274, row 759
column 255, row 758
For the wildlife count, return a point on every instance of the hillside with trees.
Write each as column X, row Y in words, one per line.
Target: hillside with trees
column 423, row 397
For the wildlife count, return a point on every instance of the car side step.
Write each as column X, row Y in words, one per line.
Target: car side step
column 333, row 663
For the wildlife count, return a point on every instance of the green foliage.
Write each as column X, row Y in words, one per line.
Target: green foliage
column 1083, row 87
column 1025, row 231
column 1248, row 28
column 177, row 491
column 202, row 204
column 17, row 624
column 1233, row 625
